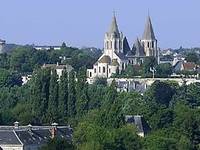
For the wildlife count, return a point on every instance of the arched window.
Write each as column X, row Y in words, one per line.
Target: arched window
column 107, row 45
column 104, row 69
column 148, row 45
column 115, row 44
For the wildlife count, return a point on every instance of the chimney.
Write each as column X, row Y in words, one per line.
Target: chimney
column 29, row 127
column 53, row 130
column 16, row 125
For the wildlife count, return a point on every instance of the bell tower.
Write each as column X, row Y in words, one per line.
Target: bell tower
column 149, row 40
column 113, row 41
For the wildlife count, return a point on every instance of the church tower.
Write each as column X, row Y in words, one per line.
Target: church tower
column 149, row 40
column 113, row 42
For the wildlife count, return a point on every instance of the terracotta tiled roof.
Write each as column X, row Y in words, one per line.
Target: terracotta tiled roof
column 189, row 66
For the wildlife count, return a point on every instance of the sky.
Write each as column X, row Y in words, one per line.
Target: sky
column 84, row 22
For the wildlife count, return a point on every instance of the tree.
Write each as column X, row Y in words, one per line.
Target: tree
column 52, row 112
column 160, row 93
column 40, row 95
column 72, row 95
column 149, row 63
column 9, row 78
column 64, row 45
column 164, row 70
column 63, row 95
column 58, row 144
column 192, row 57
column 124, row 138
column 82, row 93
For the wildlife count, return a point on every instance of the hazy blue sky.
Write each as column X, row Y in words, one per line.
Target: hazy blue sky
column 84, row 22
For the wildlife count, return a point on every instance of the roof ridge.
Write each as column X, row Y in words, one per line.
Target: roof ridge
column 18, row 137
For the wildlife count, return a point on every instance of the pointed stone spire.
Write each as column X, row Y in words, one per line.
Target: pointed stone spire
column 114, row 26
column 148, row 31
column 138, row 49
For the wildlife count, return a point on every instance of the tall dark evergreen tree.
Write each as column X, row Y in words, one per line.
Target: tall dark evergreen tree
column 63, row 95
column 82, row 93
column 52, row 114
column 72, row 95
column 39, row 95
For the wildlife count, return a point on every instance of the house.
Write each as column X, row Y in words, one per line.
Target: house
column 139, row 122
column 59, row 68
column 31, row 137
column 185, row 66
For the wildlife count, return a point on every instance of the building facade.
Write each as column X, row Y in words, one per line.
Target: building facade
column 2, row 44
column 117, row 53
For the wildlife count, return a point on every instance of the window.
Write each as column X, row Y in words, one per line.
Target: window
column 90, row 74
column 152, row 44
column 110, row 44
column 104, row 69
column 95, row 70
column 109, row 70
column 148, row 44
column 107, row 45
column 115, row 44
column 99, row 69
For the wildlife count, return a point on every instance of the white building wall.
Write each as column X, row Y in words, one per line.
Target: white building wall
column 12, row 147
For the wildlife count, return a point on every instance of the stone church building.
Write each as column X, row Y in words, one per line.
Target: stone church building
column 117, row 53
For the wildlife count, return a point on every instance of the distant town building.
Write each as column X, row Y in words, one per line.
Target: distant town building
column 140, row 123
column 185, row 66
column 31, row 137
column 2, row 44
column 25, row 79
column 59, row 68
column 117, row 53
column 47, row 47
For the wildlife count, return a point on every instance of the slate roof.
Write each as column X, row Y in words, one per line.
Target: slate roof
column 126, row 47
column 148, row 31
column 130, row 53
column 32, row 136
column 8, row 138
column 138, row 49
column 139, row 122
column 121, row 56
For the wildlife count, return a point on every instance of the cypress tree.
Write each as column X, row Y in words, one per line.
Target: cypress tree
column 63, row 95
column 82, row 93
column 52, row 114
column 72, row 95
column 36, row 97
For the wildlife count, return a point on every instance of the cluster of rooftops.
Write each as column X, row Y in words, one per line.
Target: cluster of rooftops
column 32, row 135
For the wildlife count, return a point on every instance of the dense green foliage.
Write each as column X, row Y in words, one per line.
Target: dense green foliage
column 58, row 144
column 97, row 112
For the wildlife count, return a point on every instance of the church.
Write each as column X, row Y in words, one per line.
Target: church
column 117, row 53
